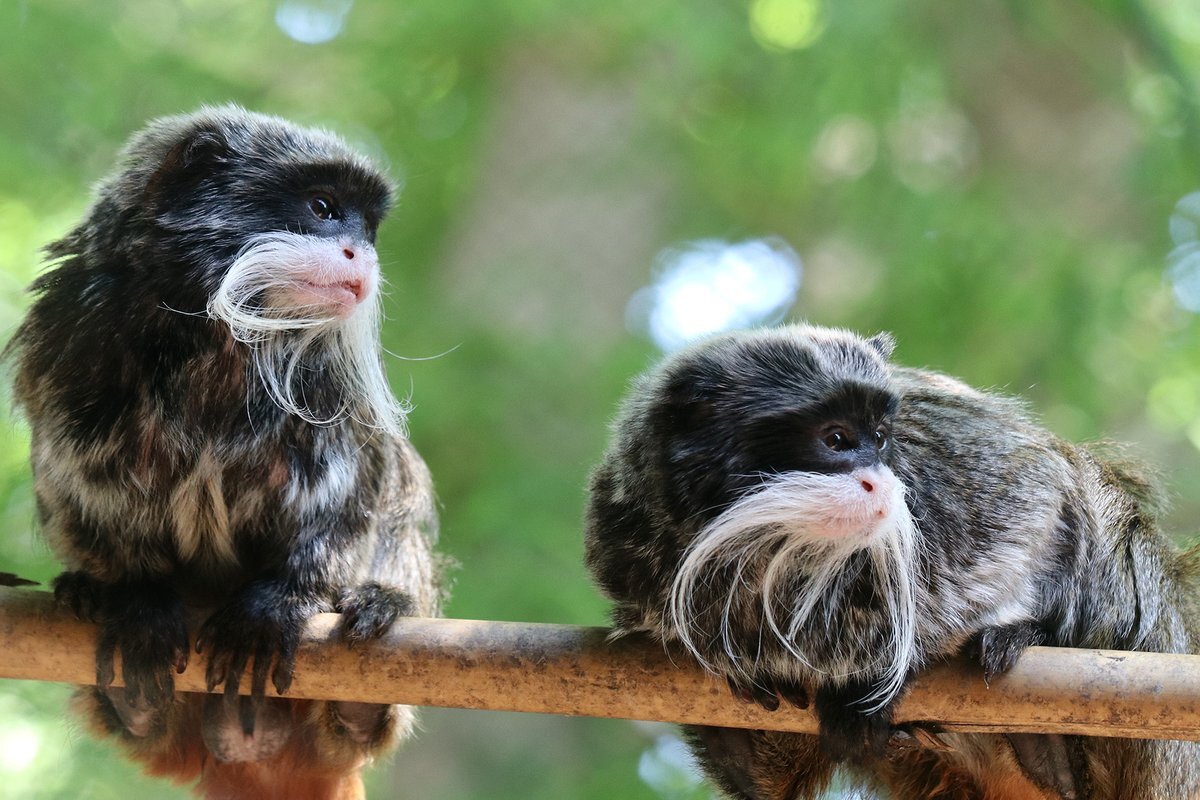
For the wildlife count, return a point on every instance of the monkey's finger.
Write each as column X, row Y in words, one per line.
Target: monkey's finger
column 929, row 739
column 146, row 683
column 795, row 694
column 281, row 676
column 204, row 637
column 180, row 649
column 285, row 664
column 262, row 666
column 739, row 691
column 106, row 648
column 179, row 658
column 766, row 698
column 234, row 667
column 218, row 669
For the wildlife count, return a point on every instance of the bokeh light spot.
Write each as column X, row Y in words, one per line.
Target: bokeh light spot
column 786, row 24
column 312, row 21
column 846, row 148
column 1173, row 402
column 1183, row 274
column 19, row 746
column 1184, row 224
column 710, row 286
column 668, row 768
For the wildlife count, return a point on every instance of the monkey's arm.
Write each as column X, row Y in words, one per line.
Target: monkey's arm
column 398, row 576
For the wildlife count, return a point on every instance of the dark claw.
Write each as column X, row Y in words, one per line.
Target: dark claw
column 997, row 649
column 760, row 692
column 285, row 666
column 765, row 698
column 262, row 666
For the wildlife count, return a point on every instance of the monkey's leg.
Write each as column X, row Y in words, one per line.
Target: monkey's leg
column 350, row 730
column 226, row 738
column 1048, row 760
column 761, row 765
column 167, row 746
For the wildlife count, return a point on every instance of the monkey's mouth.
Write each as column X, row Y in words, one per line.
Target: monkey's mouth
column 341, row 298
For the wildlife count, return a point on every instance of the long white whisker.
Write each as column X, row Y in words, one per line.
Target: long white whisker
column 289, row 340
column 824, row 522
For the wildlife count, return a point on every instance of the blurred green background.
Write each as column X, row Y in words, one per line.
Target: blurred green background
column 1005, row 185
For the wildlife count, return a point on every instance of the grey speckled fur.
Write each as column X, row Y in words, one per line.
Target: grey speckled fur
column 1018, row 532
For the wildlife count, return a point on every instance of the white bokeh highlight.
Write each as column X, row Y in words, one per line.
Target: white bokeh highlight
column 312, row 21
column 711, row 286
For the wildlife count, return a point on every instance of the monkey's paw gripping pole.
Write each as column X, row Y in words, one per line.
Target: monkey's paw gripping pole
column 561, row 669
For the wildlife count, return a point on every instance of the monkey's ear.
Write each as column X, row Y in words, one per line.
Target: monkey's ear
column 687, row 407
column 884, row 344
column 192, row 157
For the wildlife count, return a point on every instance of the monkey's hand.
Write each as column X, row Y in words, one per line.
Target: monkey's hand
column 370, row 609
column 997, row 649
column 81, row 593
column 767, row 692
column 847, row 731
column 262, row 624
column 144, row 620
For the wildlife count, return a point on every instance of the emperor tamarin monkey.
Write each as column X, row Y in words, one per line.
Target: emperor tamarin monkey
column 815, row 523
column 212, row 428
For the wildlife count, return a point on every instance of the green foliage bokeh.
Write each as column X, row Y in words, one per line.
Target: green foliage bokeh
column 993, row 185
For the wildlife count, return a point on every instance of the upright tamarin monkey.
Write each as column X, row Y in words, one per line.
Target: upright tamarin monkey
column 816, row 524
column 213, row 429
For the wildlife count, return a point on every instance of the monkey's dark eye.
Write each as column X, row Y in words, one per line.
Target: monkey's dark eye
column 837, row 439
column 881, row 438
column 322, row 206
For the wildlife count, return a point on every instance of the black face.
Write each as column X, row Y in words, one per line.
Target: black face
column 841, row 434
column 212, row 198
column 333, row 201
column 724, row 443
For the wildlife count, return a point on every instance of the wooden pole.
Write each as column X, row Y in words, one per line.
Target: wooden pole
column 561, row 669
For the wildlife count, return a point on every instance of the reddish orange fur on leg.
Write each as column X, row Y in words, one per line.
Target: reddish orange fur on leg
column 316, row 764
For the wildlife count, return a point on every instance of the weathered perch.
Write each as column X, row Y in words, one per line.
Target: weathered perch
column 560, row 669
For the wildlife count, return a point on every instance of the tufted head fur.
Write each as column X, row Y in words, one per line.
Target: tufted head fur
column 206, row 216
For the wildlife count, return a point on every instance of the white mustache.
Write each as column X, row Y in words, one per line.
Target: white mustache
column 280, row 338
column 814, row 523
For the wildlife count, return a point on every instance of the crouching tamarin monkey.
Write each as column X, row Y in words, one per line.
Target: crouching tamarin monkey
column 815, row 523
column 212, row 428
